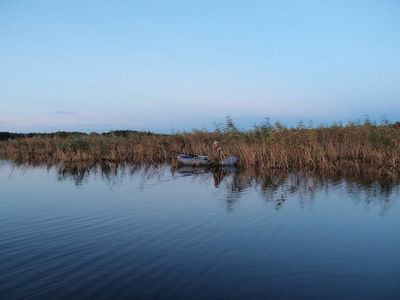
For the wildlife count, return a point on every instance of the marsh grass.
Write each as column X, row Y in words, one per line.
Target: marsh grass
column 365, row 147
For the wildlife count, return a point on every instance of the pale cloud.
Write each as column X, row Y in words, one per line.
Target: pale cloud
column 63, row 112
column 75, row 113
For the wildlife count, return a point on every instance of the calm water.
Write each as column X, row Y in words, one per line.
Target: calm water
column 161, row 233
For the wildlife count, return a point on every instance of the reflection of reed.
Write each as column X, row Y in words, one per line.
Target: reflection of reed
column 277, row 186
column 110, row 173
column 274, row 186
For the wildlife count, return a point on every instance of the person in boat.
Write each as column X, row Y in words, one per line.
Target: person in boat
column 218, row 152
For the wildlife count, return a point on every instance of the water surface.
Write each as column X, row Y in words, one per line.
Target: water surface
column 158, row 232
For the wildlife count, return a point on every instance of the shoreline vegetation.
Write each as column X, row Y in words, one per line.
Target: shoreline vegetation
column 357, row 147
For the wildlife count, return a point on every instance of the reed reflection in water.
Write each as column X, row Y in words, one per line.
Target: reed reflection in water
column 146, row 231
column 274, row 186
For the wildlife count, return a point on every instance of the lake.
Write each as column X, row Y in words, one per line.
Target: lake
column 157, row 232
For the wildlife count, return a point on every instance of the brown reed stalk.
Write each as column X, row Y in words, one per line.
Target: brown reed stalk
column 365, row 147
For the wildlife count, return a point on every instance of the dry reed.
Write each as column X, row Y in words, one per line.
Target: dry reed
column 363, row 147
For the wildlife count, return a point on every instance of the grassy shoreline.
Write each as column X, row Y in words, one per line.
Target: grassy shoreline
column 363, row 147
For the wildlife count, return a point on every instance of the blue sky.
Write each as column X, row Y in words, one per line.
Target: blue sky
column 179, row 65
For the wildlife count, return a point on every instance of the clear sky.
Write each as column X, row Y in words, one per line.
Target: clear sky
column 179, row 65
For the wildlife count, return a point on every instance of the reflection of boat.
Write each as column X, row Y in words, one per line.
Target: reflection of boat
column 188, row 170
column 205, row 160
column 231, row 169
column 193, row 170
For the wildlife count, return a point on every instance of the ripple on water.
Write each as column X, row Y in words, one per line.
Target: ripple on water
column 182, row 237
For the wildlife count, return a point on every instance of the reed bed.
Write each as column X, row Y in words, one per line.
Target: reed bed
column 363, row 147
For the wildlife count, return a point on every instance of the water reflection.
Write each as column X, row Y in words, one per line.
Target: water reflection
column 190, row 171
column 275, row 187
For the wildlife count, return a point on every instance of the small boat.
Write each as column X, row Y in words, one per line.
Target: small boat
column 205, row 160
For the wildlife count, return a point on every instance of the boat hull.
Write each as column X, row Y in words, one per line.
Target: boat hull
column 194, row 160
column 205, row 160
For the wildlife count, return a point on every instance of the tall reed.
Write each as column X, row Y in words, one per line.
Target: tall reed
column 363, row 147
